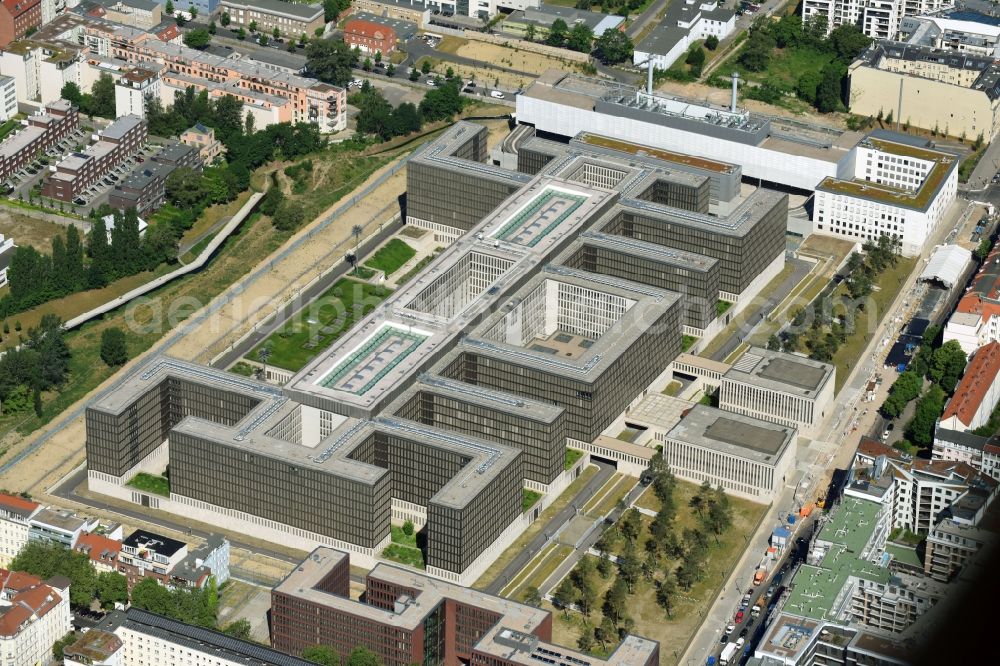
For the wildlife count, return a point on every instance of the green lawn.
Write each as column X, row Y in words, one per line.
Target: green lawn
column 528, row 499
column 243, row 368
column 150, row 483
column 8, row 127
column 404, row 555
column 315, row 328
column 687, row 341
column 721, row 307
column 420, row 265
column 391, row 256
column 572, row 455
column 400, row 537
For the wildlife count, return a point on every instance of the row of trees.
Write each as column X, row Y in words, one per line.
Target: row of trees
column 327, row 656
column 822, row 88
column 612, row 47
column 671, row 560
column 824, row 325
column 196, row 606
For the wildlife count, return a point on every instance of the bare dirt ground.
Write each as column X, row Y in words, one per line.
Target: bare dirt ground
column 721, row 96
column 26, row 229
column 502, row 56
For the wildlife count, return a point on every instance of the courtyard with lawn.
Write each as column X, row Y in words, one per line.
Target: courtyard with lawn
column 391, row 256
column 151, row 483
column 313, row 329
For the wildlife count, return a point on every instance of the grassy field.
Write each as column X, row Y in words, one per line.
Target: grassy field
column 605, row 499
column 391, row 256
column 402, row 538
column 505, row 56
column 451, row 44
column 672, row 388
column 522, row 541
column 313, row 329
column 404, row 555
column 572, row 455
column 890, row 282
column 150, row 483
column 420, row 265
column 689, row 606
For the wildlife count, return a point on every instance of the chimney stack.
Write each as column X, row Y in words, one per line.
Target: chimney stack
column 736, row 84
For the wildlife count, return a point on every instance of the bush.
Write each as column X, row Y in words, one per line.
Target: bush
column 114, row 350
column 408, row 528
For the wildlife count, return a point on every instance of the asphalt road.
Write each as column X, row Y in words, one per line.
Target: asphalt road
column 756, row 313
column 515, row 566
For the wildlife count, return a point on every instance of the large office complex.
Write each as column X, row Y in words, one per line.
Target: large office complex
column 779, row 387
column 538, row 325
column 406, row 618
column 748, row 457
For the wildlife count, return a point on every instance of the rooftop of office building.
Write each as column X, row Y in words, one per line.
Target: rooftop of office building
column 392, row 343
column 483, row 396
column 643, row 249
column 739, row 222
column 780, row 371
column 510, row 637
column 566, row 342
column 619, row 146
column 918, row 199
column 733, row 433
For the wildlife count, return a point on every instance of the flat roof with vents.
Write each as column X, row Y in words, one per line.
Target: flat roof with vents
column 736, row 434
column 780, row 371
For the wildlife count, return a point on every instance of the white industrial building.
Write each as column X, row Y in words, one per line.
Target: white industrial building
column 748, row 457
column 891, row 188
column 781, row 388
column 684, row 23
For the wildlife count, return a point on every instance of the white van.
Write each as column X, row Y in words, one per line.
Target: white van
column 496, row 94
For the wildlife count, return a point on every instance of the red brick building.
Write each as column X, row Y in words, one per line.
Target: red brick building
column 369, row 37
column 16, row 17
column 406, row 618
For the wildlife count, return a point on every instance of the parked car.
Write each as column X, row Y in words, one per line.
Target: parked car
column 724, row 639
column 496, row 94
column 739, row 616
column 744, row 633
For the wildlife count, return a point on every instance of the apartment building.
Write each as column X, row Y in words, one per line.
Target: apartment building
column 142, row 14
column 976, row 319
column 896, row 189
column 781, row 388
column 15, row 521
column 59, row 526
column 8, row 97
column 74, row 174
column 133, row 88
column 33, row 616
column 17, row 17
column 102, row 550
column 370, row 37
column 203, row 138
column 144, row 189
column 924, row 86
column 949, row 546
column 138, row 637
column 148, row 555
column 290, row 18
column 952, row 32
column 406, row 617
column 879, row 19
column 982, row 453
column 977, row 393
column 919, row 493
column 747, row 456
column 683, row 24
column 41, row 132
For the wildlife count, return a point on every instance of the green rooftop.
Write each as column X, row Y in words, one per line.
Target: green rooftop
column 915, row 199
column 904, row 555
column 665, row 155
column 815, row 589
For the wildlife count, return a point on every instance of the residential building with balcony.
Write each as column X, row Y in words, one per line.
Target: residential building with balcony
column 59, row 526
column 8, row 97
column 102, row 550
column 73, row 175
column 41, row 132
column 144, row 189
column 15, row 522
column 982, row 453
column 133, row 88
column 950, row 545
column 203, row 138
column 168, row 561
column 879, row 19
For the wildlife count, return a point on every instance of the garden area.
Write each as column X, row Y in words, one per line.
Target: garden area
column 405, row 547
column 391, row 256
column 655, row 577
column 151, row 483
column 314, row 328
